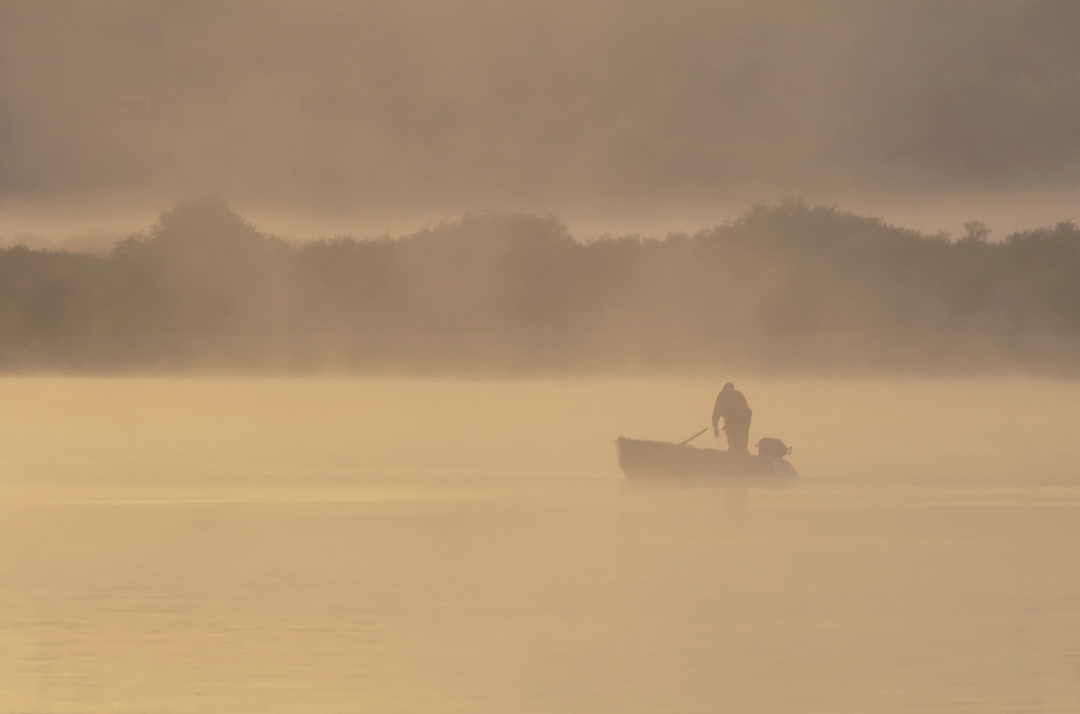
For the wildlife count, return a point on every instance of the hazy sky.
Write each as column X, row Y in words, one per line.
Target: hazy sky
column 410, row 107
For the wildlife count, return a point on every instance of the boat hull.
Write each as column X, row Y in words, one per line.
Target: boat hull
column 640, row 458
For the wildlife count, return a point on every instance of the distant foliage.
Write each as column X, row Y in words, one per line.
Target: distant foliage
column 790, row 288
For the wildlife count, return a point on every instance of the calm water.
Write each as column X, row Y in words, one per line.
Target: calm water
column 200, row 545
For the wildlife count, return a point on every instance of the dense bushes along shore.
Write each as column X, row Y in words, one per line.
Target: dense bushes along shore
column 787, row 288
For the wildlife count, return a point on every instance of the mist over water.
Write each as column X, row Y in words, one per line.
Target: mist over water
column 396, row 545
column 274, row 229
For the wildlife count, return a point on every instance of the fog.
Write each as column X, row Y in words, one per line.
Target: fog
column 425, row 545
column 319, row 321
column 384, row 116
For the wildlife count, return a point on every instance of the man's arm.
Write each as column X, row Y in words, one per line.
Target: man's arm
column 717, row 412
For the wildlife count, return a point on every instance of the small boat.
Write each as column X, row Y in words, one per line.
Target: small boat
column 661, row 458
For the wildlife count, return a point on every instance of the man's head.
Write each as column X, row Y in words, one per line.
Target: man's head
column 729, row 387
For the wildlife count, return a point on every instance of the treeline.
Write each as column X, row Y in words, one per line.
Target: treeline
column 788, row 288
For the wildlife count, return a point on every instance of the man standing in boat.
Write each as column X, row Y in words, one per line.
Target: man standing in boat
column 732, row 406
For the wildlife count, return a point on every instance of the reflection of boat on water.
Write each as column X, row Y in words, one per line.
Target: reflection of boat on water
column 661, row 458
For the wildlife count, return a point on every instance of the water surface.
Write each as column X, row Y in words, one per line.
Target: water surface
column 350, row 545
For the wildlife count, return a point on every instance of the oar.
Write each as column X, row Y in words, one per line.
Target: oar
column 694, row 436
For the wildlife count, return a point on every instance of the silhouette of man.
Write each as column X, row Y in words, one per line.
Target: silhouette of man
column 732, row 406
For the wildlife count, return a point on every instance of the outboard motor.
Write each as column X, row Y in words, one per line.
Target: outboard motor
column 773, row 448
